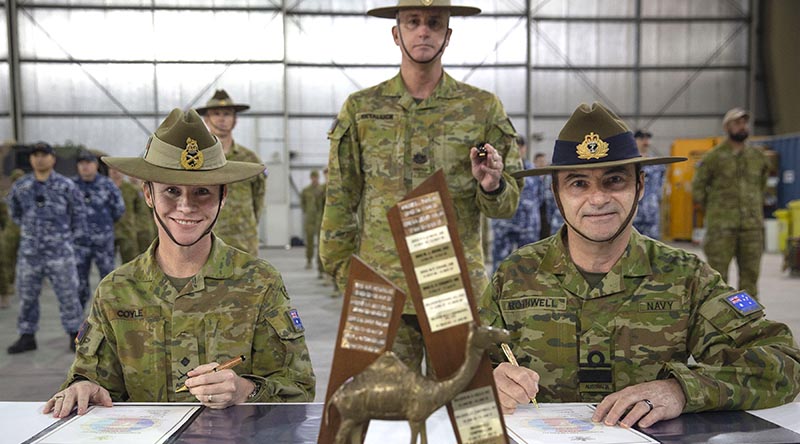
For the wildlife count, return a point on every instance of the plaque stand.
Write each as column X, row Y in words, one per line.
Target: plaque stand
column 370, row 318
column 432, row 256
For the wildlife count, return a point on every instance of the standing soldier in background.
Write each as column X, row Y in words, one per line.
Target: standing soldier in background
column 524, row 228
column 49, row 210
column 238, row 221
column 310, row 199
column 648, row 218
column 146, row 230
column 390, row 138
column 729, row 186
column 9, row 238
column 125, row 228
column 321, row 209
column 104, row 206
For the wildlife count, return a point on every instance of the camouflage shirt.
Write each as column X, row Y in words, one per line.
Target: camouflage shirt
column 310, row 203
column 237, row 224
column 384, row 144
column 730, row 187
column 50, row 214
column 656, row 307
column 104, row 206
column 125, row 227
column 143, row 336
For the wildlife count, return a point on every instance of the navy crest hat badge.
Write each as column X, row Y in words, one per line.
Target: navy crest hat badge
column 592, row 147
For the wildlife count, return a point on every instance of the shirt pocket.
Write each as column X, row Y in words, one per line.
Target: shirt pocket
column 451, row 152
column 225, row 340
column 381, row 148
column 141, row 350
column 647, row 335
column 545, row 332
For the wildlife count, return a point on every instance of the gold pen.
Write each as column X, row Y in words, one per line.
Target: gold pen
column 513, row 361
column 224, row 366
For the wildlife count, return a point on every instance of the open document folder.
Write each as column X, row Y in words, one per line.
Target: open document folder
column 566, row 423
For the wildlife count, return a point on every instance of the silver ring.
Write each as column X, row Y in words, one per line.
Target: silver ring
column 58, row 396
column 649, row 404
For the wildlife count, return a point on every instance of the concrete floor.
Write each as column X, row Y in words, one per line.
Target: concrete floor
column 37, row 375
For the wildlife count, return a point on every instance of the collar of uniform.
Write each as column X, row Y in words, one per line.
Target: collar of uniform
column 447, row 88
column 218, row 265
column 633, row 263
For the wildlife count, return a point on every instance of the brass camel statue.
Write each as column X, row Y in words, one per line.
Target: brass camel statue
column 388, row 389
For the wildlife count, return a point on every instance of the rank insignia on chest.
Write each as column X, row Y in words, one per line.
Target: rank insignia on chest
column 743, row 303
column 297, row 324
column 592, row 147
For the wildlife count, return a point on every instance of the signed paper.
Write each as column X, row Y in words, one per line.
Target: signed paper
column 129, row 424
column 566, row 423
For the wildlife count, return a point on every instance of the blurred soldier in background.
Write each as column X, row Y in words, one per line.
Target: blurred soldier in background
column 729, row 186
column 648, row 218
column 9, row 238
column 524, row 228
column 104, row 206
column 146, row 230
column 310, row 199
column 125, row 228
column 49, row 210
column 390, row 138
column 238, row 221
column 321, row 209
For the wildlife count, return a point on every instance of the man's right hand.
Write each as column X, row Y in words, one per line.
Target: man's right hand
column 515, row 385
column 81, row 393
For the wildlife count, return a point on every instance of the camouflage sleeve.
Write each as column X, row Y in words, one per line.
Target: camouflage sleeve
column 744, row 361
column 701, row 180
column 3, row 214
column 502, row 136
column 489, row 313
column 281, row 363
column 339, row 228
column 96, row 356
column 118, row 204
column 14, row 207
column 259, row 189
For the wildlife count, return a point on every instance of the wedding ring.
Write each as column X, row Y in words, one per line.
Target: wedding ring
column 58, row 396
column 649, row 404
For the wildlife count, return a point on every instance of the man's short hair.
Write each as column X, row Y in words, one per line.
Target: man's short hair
column 538, row 155
column 520, row 141
column 642, row 134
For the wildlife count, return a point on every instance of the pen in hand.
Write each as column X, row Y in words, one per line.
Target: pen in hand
column 224, row 366
column 513, row 361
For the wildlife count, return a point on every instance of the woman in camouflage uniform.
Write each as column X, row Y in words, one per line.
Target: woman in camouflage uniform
column 166, row 318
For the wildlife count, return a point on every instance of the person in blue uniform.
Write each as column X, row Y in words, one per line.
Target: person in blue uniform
column 104, row 206
column 50, row 212
column 648, row 218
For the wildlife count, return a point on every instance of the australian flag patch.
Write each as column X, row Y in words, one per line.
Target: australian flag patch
column 297, row 324
column 743, row 303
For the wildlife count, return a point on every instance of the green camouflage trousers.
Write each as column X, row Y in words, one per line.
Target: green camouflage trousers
column 721, row 245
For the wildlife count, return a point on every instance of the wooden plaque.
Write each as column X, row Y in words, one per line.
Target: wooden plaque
column 426, row 236
column 370, row 318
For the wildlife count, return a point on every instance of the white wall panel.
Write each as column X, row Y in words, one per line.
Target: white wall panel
column 693, row 8
column 693, row 43
column 584, row 8
column 115, row 136
column 324, row 90
column 559, row 92
column 712, row 91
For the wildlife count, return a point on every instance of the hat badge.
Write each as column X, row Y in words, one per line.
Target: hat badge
column 426, row 2
column 592, row 147
column 191, row 157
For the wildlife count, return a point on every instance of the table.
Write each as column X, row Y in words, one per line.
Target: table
column 299, row 424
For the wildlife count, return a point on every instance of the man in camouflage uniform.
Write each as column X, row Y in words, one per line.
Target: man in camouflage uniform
column 524, row 227
column 599, row 313
column 104, row 206
column 9, row 238
column 125, row 228
column 390, row 138
column 729, row 186
column 310, row 199
column 167, row 318
column 49, row 210
column 238, row 222
column 648, row 218
column 146, row 230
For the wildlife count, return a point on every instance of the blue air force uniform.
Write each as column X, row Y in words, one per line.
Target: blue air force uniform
column 51, row 218
column 648, row 216
column 524, row 228
column 104, row 206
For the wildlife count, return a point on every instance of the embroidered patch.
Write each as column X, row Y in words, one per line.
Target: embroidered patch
column 86, row 327
column 297, row 324
column 743, row 303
